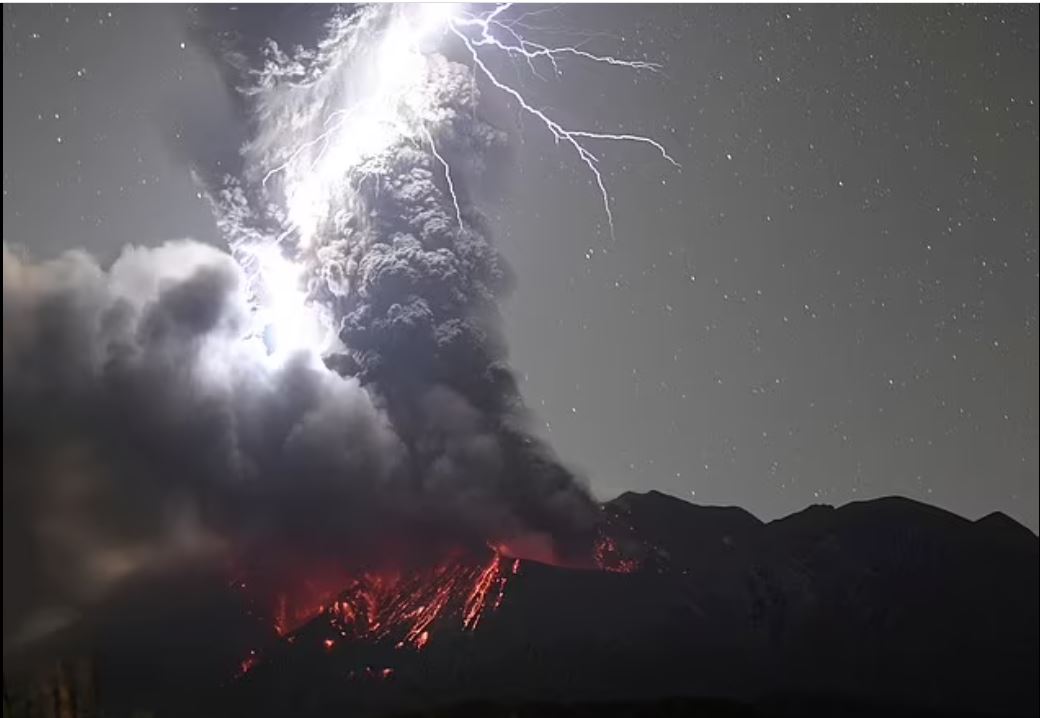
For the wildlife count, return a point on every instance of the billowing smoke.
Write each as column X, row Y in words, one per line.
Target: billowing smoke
column 334, row 389
column 142, row 427
column 372, row 205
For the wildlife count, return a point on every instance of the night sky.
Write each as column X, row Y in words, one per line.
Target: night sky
column 834, row 299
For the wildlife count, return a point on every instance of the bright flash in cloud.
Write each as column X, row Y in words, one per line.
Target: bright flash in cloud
column 375, row 84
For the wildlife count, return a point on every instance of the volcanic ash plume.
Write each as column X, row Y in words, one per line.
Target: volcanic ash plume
column 333, row 392
column 143, row 428
column 366, row 149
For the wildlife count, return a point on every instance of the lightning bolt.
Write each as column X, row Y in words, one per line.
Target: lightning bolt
column 517, row 47
column 333, row 123
column 482, row 35
column 447, row 175
column 381, row 63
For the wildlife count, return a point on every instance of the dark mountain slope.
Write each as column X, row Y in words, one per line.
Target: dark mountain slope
column 889, row 602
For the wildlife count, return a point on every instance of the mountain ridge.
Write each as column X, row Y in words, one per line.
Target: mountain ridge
column 887, row 600
column 656, row 494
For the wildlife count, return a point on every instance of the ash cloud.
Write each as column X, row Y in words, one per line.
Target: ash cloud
column 411, row 291
column 142, row 428
column 146, row 428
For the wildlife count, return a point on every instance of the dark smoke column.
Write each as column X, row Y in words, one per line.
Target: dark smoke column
column 402, row 263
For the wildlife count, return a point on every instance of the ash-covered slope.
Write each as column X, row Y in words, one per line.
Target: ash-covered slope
column 887, row 601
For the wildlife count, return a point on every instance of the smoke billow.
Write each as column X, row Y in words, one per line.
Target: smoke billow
column 152, row 422
column 142, row 428
column 398, row 262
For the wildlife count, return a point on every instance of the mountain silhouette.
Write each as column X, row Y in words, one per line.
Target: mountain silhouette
column 888, row 603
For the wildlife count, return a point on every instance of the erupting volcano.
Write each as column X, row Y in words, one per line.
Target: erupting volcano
column 406, row 607
column 381, row 263
column 328, row 410
column 403, row 607
column 291, row 471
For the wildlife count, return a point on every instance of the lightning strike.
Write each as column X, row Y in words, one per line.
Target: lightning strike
column 532, row 51
column 447, row 176
column 394, row 104
column 376, row 86
column 333, row 123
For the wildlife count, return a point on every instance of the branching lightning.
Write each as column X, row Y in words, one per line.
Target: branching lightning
column 333, row 123
column 531, row 51
column 344, row 131
column 376, row 86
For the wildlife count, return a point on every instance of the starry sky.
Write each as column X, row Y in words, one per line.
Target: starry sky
column 834, row 299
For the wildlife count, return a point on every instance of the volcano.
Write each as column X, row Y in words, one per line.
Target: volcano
column 888, row 602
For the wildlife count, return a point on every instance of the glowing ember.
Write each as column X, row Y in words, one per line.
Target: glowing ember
column 610, row 558
column 248, row 663
column 372, row 673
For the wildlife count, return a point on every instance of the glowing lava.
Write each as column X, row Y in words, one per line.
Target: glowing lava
column 609, row 556
column 395, row 607
column 405, row 607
